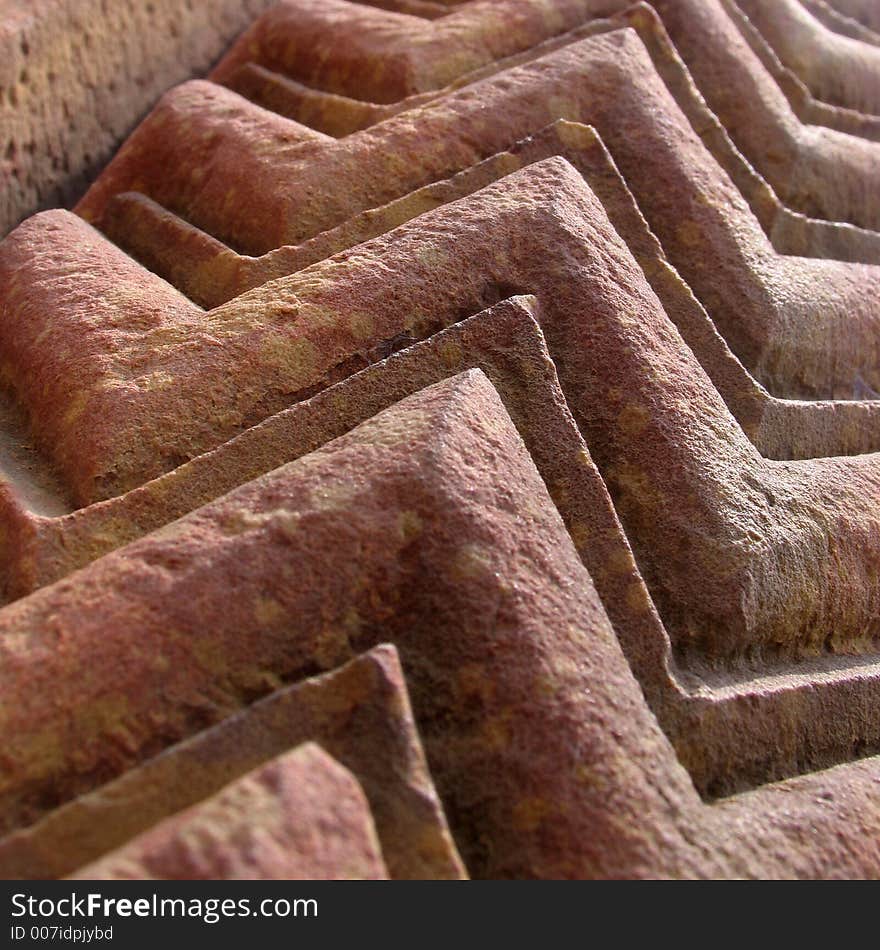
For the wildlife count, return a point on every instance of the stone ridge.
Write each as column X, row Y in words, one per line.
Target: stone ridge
column 359, row 713
column 765, row 288
column 506, row 343
column 507, row 507
column 389, row 59
column 840, row 70
column 77, row 75
column 84, row 94
column 557, row 219
column 41, row 548
column 809, row 110
column 864, row 11
column 529, row 763
column 301, row 816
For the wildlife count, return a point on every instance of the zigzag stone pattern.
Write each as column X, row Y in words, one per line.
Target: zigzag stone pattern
column 76, row 75
column 559, row 216
column 758, row 289
column 440, row 452
column 797, row 159
column 727, row 223
column 838, row 69
column 313, row 824
column 547, row 765
column 791, row 233
column 823, row 172
column 809, row 110
column 840, row 22
column 105, row 429
column 863, row 11
column 486, row 342
column 359, row 712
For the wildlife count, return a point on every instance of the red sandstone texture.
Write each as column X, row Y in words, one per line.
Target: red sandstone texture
column 863, row 11
column 531, row 763
column 455, row 433
column 77, row 75
column 822, row 173
column 841, row 70
column 300, row 816
column 108, row 426
column 809, row 109
column 360, row 713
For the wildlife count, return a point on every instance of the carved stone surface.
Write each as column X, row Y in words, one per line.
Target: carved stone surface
column 863, row 11
column 448, row 446
column 842, row 70
column 300, row 816
column 359, row 713
column 77, row 75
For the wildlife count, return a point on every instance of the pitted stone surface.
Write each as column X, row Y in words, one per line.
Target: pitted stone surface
column 299, row 817
column 360, row 713
column 488, row 334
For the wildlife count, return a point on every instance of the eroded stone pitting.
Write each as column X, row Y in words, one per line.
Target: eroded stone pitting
column 258, row 349
column 742, row 277
column 618, row 478
column 359, row 713
column 300, row 816
column 731, row 535
column 551, row 765
column 209, row 273
column 77, row 75
column 819, row 172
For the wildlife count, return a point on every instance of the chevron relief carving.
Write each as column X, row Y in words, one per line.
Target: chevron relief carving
column 841, row 70
column 839, row 22
column 359, row 713
column 220, row 837
column 114, row 447
column 555, row 185
column 809, row 109
column 566, row 726
column 816, row 171
column 863, row 11
column 790, row 232
column 456, row 434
